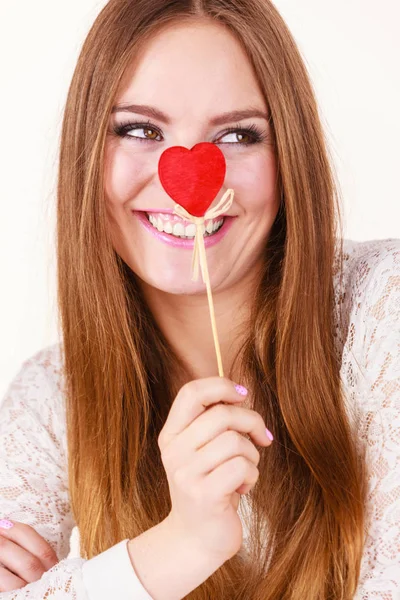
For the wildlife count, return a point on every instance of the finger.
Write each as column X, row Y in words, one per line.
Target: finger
column 193, row 399
column 224, row 417
column 231, row 475
column 9, row 581
column 221, row 449
column 20, row 561
column 29, row 539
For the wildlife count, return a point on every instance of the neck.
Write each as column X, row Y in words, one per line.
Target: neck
column 185, row 322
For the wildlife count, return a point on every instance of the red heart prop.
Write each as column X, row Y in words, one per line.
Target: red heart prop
column 193, row 177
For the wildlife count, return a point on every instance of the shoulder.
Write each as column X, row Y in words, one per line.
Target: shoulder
column 46, row 363
column 40, row 371
column 368, row 298
column 374, row 281
column 371, row 272
column 366, row 263
column 371, row 370
column 35, row 394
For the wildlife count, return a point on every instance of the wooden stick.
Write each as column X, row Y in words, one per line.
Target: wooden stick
column 206, row 279
column 199, row 256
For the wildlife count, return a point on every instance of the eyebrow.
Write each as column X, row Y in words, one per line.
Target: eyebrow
column 155, row 113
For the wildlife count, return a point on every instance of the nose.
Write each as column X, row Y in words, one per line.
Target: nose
column 192, row 177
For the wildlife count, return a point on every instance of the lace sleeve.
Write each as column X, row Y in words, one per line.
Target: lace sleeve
column 379, row 350
column 34, row 491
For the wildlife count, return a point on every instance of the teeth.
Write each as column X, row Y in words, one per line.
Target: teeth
column 190, row 230
column 178, row 229
column 217, row 225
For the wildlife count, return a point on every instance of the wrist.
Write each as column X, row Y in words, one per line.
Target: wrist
column 167, row 563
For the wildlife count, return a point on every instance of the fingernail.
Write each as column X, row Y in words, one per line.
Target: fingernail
column 269, row 434
column 241, row 390
column 5, row 524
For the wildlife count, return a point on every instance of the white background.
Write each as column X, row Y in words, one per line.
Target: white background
column 352, row 50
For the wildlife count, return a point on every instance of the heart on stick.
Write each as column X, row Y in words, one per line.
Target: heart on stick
column 192, row 178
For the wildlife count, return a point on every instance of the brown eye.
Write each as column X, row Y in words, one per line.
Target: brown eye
column 242, row 138
column 141, row 132
column 153, row 133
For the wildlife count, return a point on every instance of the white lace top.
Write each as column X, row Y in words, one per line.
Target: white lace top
column 33, row 450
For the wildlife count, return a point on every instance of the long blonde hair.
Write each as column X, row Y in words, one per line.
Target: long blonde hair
column 309, row 499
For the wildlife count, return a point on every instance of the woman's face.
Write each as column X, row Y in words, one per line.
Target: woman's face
column 181, row 84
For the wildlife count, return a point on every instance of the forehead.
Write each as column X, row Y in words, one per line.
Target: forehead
column 190, row 68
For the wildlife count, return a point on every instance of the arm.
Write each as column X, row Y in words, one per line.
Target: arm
column 159, row 556
column 34, row 490
column 379, row 428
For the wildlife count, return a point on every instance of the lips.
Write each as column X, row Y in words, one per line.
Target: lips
column 178, row 242
column 174, row 225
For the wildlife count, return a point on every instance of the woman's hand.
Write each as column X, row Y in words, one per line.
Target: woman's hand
column 25, row 554
column 209, row 463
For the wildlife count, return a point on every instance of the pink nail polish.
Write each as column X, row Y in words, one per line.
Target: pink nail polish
column 241, row 390
column 269, row 434
column 6, row 524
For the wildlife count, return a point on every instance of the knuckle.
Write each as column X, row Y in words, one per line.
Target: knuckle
column 241, row 464
column 196, row 493
column 221, row 412
column 163, row 440
column 166, row 458
column 160, row 440
column 235, row 440
column 188, row 391
column 47, row 554
column 190, row 388
column 179, row 478
column 224, row 384
column 257, row 476
column 34, row 566
column 256, row 473
column 253, row 453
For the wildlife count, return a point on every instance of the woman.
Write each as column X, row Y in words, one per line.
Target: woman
column 164, row 457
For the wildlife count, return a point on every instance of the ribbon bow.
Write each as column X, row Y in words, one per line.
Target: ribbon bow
column 199, row 252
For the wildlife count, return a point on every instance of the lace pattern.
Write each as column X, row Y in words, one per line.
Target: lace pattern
column 33, row 451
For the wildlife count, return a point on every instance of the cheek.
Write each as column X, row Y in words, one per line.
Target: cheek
column 124, row 172
column 254, row 180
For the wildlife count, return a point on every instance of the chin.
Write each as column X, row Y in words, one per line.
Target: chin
column 176, row 286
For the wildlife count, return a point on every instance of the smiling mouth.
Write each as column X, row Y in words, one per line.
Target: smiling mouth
column 177, row 227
